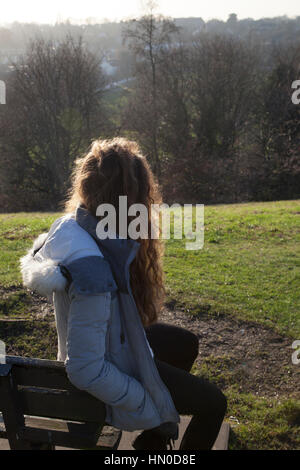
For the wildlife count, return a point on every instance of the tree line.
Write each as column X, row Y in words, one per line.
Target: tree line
column 214, row 115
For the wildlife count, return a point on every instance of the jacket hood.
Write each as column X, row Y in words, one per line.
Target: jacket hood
column 119, row 252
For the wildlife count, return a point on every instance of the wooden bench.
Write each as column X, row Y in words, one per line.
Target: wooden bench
column 41, row 409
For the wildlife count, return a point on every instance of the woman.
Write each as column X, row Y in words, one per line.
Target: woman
column 107, row 295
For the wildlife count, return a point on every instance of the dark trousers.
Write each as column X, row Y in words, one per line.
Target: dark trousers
column 175, row 350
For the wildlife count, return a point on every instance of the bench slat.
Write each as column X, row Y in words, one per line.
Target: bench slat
column 60, row 438
column 32, row 362
column 60, row 434
column 42, row 377
column 35, row 389
column 62, row 405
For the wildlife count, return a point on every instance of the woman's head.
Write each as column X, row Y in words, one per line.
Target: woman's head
column 114, row 168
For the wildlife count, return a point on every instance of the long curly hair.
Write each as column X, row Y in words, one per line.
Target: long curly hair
column 114, row 168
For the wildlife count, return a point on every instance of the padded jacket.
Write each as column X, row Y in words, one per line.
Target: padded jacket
column 101, row 338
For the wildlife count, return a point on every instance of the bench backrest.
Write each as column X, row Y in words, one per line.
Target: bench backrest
column 42, row 389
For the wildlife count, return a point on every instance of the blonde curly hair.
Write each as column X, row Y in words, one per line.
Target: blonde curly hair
column 114, row 168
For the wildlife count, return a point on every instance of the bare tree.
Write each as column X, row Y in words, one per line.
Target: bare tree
column 53, row 110
column 277, row 133
column 148, row 37
column 224, row 71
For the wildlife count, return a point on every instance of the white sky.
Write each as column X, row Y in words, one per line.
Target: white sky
column 42, row 11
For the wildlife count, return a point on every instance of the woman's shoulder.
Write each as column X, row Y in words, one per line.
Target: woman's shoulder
column 79, row 257
column 67, row 241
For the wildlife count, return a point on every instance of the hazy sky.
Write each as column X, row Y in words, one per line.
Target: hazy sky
column 78, row 10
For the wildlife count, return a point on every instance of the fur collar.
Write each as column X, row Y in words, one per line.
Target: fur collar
column 44, row 277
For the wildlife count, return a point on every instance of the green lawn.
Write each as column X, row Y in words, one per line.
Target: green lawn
column 249, row 266
column 17, row 232
column 248, row 269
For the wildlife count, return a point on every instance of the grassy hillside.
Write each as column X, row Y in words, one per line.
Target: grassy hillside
column 242, row 290
column 249, row 266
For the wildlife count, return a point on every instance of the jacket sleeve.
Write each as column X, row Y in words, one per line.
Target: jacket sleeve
column 87, row 368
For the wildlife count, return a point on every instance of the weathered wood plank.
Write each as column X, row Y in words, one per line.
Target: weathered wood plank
column 59, row 438
column 61, row 405
column 42, row 377
column 41, row 389
column 85, row 435
column 75, row 441
column 109, row 436
column 33, row 362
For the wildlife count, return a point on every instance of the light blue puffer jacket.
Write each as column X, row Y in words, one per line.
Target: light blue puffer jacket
column 100, row 334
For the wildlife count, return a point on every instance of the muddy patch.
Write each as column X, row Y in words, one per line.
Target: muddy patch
column 248, row 355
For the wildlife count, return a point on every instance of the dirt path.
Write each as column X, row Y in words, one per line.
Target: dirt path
column 231, row 352
column 237, row 352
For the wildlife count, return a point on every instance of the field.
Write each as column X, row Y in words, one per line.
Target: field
column 240, row 294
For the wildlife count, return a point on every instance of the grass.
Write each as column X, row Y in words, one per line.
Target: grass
column 14, row 304
column 263, row 424
column 257, row 423
column 17, row 232
column 248, row 268
column 30, row 338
